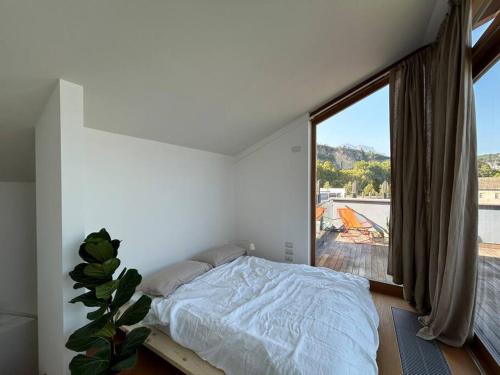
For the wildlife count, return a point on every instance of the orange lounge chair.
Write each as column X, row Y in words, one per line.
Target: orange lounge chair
column 320, row 211
column 351, row 221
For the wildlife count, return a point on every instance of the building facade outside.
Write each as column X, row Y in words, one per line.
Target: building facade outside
column 489, row 190
column 327, row 193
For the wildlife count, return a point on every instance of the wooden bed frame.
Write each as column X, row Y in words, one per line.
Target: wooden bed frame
column 178, row 356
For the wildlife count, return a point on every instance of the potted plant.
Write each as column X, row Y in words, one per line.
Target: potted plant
column 100, row 353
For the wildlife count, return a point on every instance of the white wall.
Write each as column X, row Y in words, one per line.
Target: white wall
column 164, row 202
column 59, row 222
column 18, row 253
column 272, row 193
column 49, row 263
column 73, row 226
column 488, row 228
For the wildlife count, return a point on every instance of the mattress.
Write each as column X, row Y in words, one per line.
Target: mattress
column 253, row 316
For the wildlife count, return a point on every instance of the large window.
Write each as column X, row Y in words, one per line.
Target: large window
column 353, row 188
column 486, row 90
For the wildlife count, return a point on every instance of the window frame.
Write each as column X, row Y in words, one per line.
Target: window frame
column 485, row 53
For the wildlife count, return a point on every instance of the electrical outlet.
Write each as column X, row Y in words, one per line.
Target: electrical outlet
column 289, row 251
column 289, row 245
column 296, row 148
column 289, row 258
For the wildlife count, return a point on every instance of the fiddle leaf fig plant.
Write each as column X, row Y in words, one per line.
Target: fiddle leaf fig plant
column 100, row 352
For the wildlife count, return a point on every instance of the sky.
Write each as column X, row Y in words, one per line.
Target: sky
column 367, row 122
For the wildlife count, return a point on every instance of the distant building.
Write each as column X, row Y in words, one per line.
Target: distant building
column 494, row 165
column 489, row 190
column 326, row 194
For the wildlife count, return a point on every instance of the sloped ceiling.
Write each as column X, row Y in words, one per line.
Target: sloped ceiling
column 215, row 75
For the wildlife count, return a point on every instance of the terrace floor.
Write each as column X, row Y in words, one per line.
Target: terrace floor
column 487, row 324
column 342, row 254
column 370, row 260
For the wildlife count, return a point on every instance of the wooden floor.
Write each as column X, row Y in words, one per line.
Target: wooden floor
column 487, row 323
column 366, row 260
column 151, row 364
column 388, row 358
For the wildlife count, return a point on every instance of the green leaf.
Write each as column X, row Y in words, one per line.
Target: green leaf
column 102, row 271
column 135, row 313
column 126, row 288
column 102, row 234
column 89, row 299
column 125, row 363
column 85, row 365
column 81, row 343
column 116, row 245
column 101, row 349
column 85, row 337
column 122, row 273
column 108, row 330
column 83, row 280
column 86, row 256
column 99, row 249
column 133, row 340
column 97, row 313
column 111, row 265
column 105, row 290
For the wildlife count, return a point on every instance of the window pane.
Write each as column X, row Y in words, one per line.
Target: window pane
column 487, row 324
column 353, row 187
column 478, row 31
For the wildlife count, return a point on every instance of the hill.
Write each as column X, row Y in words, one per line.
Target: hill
column 344, row 157
column 493, row 160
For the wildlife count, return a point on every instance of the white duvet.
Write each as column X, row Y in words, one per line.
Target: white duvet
column 256, row 317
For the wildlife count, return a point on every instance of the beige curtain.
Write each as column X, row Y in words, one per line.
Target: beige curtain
column 410, row 100
column 433, row 251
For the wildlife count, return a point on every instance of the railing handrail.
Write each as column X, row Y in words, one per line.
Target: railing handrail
column 362, row 199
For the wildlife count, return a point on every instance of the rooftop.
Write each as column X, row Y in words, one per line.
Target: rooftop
column 489, row 183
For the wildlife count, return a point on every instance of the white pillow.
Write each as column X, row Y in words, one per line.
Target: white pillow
column 167, row 280
column 220, row 255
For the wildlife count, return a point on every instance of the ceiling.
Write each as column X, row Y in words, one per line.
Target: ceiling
column 215, row 75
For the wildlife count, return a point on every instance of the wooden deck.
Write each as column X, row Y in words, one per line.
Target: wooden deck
column 487, row 323
column 366, row 260
column 370, row 261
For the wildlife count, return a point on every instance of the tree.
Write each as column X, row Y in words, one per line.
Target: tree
column 363, row 173
column 348, row 188
column 369, row 190
column 326, row 172
column 326, row 185
column 372, row 172
column 484, row 170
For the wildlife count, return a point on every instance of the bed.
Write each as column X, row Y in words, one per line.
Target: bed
column 253, row 316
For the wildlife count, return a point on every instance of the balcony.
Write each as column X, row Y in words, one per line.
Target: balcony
column 360, row 252
column 487, row 324
column 361, row 259
column 365, row 253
